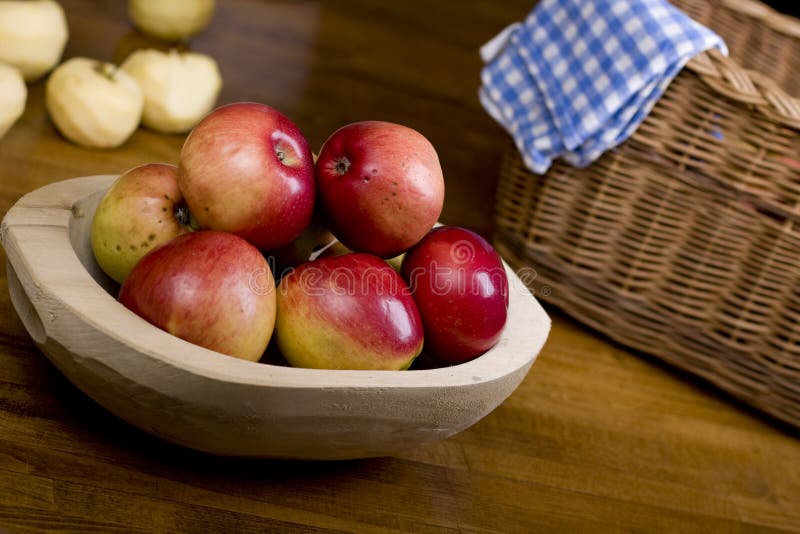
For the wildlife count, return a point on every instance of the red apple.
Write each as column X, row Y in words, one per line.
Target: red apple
column 380, row 186
column 142, row 209
column 247, row 169
column 461, row 289
column 347, row 312
column 210, row 288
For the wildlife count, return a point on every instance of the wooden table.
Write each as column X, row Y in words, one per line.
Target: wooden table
column 594, row 439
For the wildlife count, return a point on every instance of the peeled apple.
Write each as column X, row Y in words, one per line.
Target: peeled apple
column 33, row 34
column 93, row 104
column 171, row 20
column 13, row 94
column 179, row 88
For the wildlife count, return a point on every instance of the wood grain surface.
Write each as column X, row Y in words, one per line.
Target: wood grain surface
column 595, row 438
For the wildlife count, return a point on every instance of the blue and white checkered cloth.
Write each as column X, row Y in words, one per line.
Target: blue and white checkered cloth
column 577, row 77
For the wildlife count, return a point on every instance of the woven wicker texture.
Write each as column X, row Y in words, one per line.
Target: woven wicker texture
column 684, row 242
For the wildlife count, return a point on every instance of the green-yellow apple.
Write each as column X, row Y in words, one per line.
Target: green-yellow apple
column 210, row 288
column 142, row 209
column 380, row 186
column 347, row 312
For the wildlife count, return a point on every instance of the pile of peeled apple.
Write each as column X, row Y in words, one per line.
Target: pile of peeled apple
column 94, row 103
column 250, row 238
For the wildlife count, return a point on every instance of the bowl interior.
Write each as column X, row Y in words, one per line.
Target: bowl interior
column 80, row 226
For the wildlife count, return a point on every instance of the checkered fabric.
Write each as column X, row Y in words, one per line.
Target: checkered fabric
column 577, row 77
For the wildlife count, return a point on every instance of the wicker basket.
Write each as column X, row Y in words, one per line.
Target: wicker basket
column 684, row 242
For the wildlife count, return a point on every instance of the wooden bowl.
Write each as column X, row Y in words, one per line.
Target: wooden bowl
column 207, row 401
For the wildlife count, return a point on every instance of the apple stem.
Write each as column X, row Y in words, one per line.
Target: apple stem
column 106, row 69
column 341, row 165
column 319, row 252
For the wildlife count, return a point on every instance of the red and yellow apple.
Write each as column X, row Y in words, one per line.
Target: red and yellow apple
column 347, row 312
column 461, row 289
column 210, row 288
column 380, row 186
column 142, row 209
column 247, row 169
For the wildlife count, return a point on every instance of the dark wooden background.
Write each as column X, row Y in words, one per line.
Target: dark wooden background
column 594, row 439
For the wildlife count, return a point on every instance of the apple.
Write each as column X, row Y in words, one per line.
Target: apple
column 210, row 288
column 347, row 312
column 380, row 186
column 92, row 103
column 142, row 210
column 247, row 169
column 33, row 34
column 171, row 20
column 461, row 288
column 396, row 261
column 13, row 95
column 179, row 88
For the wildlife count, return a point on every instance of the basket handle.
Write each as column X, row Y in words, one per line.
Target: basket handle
column 765, row 15
column 726, row 77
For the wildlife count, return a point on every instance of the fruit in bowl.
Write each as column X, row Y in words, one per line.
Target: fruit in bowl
column 246, row 168
column 461, row 288
column 347, row 312
column 246, row 171
column 381, row 186
column 212, row 289
column 143, row 209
